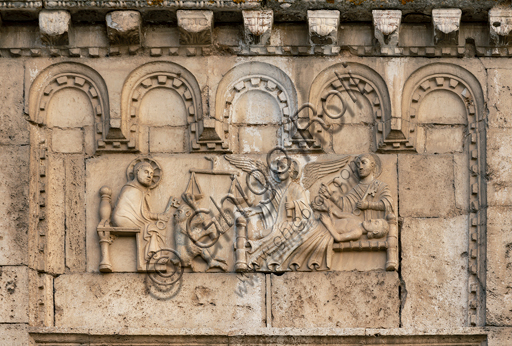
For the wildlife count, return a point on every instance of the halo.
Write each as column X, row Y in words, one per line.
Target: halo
column 157, row 176
column 378, row 164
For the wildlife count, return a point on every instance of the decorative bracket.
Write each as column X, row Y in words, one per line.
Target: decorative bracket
column 124, row 27
column 195, row 27
column 323, row 26
column 258, row 26
column 54, row 26
column 446, row 25
column 387, row 26
column 500, row 20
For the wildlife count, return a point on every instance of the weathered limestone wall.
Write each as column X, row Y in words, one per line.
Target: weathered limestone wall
column 88, row 95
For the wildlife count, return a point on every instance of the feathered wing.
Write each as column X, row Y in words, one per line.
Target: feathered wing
column 257, row 169
column 317, row 170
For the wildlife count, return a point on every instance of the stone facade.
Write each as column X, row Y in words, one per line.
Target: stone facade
column 255, row 173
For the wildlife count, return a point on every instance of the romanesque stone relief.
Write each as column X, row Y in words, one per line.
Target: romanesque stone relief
column 278, row 215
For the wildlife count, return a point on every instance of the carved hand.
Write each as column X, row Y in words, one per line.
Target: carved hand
column 163, row 217
column 362, row 205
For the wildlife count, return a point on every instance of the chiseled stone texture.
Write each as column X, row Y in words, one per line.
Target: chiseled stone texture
column 14, row 335
column 13, row 294
column 499, row 336
column 336, row 299
column 500, row 97
column 434, row 272
column 166, row 139
column 13, row 125
column 67, row 140
column 499, row 267
column 432, row 193
column 445, row 139
column 499, row 167
column 14, row 177
column 117, row 301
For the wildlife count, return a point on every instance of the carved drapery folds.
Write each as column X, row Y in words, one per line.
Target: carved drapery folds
column 108, row 134
column 446, row 25
column 460, row 82
column 258, row 77
column 353, row 78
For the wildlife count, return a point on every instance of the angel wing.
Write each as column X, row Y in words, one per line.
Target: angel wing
column 257, row 169
column 317, row 170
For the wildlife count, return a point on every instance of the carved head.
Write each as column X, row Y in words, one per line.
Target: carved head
column 143, row 172
column 367, row 164
column 182, row 214
column 376, row 228
column 285, row 168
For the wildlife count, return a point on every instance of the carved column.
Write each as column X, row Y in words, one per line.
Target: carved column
column 195, row 27
column 323, row 26
column 446, row 25
column 500, row 20
column 124, row 27
column 392, row 251
column 103, row 229
column 240, row 255
column 387, row 27
column 54, row 26
column 258, row 26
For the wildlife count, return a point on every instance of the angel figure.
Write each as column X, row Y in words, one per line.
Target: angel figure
column 282, row 232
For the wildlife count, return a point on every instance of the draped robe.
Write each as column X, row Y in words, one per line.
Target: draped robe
column 132, row 211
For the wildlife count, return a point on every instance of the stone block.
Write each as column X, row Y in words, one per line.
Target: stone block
column 55, row 215
column 352, row 139
column 14, row 335
column 499, row 336
column 75, row 213
column 500, row 23
column 124, row 27
column 461, row 182
column 499, row 166
column 166, row 139
column 257, row 139
column 13, row 126
column 195, row 27
column 387, row 26
column 499, row 267
column 14, row 294
column 434, row 272
column 426, row 185
column 122, row 301
column 54, row 26
column 441, row 140
column 41, row 308
column 335, row 300
column 67, row 140
column 14, row 205
column 499, row 101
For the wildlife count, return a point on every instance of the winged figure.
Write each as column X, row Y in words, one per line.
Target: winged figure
column 282, row 232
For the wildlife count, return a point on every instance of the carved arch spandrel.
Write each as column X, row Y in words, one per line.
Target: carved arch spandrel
column 165, row 75
column 457, row 80
column 262, row 77
column 71, row 75
column 354, row 78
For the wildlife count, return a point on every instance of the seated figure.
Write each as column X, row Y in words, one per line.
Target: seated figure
column 132, row 210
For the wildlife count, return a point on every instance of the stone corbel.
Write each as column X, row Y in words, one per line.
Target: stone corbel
column 387, row 26
column 195, row 27
column 500, row 20
column 446, row 25
column 54, row 26
column 258, row 26
column 124, row 27
column 323, row 26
